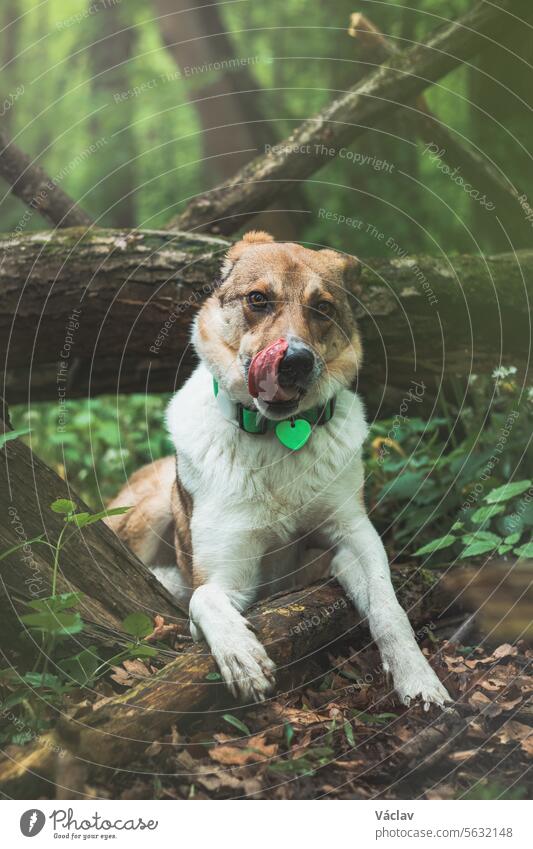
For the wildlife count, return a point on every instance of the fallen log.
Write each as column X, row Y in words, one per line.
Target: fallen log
column 293, row 627
column 110, row 312
column 113, row 581
column 405, row 75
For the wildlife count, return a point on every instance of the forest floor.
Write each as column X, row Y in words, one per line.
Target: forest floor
column 344, row 736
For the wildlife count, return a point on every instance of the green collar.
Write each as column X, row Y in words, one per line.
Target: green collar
column 292, row 432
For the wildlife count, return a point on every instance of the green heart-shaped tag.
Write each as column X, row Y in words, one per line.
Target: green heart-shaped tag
column 293, row 434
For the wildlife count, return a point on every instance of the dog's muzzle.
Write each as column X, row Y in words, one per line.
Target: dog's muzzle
column 296, row 367
column 282, row 371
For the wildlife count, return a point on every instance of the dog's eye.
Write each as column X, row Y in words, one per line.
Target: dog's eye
column 325, row 309
column 257, row 300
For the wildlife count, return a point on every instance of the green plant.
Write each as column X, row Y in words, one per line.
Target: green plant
column 51, row 622
column 510, row 526
column 450, row 482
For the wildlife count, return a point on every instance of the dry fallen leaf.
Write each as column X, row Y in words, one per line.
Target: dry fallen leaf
column 517, row 732
column 482, row 703
column 255, row 751
column 161, row 630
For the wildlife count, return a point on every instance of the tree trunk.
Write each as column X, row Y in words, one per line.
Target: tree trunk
column 422, row 318
column 293, row 627
column 314, row 142
column 224, row 91
column 112, row 46
column 93, row 561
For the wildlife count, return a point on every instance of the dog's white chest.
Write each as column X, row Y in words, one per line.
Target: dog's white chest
column 255, row 474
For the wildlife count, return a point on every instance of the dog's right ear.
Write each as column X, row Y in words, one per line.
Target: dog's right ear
column 253, row 237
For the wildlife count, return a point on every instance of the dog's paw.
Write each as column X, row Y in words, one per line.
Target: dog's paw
column 422, row 685
column 245, row 667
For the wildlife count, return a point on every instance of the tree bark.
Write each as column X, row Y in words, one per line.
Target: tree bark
column 293, row 627
column 226, row 95
column 37, row 189
column 232, row 125
column 135, row 295
column 112, row 47
column 317, row 140
column 93, row 561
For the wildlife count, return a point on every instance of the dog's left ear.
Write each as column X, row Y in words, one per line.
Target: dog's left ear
column 253, row 237
column 346, row 265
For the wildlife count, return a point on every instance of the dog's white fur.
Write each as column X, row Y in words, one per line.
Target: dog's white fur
column 254, row 500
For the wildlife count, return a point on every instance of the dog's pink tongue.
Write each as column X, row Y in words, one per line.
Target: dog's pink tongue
column 263, row 373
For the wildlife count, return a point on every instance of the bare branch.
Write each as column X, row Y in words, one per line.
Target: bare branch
column 37, row 189
column 400, row 80
column 480, row 173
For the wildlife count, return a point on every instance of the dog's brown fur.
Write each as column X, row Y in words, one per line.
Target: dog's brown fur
column 296, row 280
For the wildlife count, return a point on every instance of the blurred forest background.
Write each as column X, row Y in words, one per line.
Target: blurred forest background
column 115, row 98
column 133, row 107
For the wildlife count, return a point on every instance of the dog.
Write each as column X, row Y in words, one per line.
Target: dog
column 268, row 436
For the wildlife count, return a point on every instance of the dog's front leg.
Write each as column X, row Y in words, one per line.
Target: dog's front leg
column 361, row 567
column 230, row 566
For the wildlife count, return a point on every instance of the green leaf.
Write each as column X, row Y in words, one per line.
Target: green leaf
column 503, row 549
column 348, row 733
column 79, row 519
column 403, row 486
column 237, row 723
column 213, row 676
column 142, row 650
column 54, row 623
column 138, row 625
column 63, row 505
column 481, row 536
column 510, row 524
column 288, row 733
column 507, row 491
column 351, row 676
column 457, row 526
column 83, row 519
column 512, row 538
column 15, row 699
column 81, row 667
column 483, row 514
column 436, row 545
column 12, row 434
column 56, row 602
column 40, row 679
column 525, row 550
column 476, row 548
column 527, row 513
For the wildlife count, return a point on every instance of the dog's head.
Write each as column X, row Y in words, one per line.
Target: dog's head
column 278, row 331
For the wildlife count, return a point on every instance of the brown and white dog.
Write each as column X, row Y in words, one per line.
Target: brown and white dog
column 229, row 518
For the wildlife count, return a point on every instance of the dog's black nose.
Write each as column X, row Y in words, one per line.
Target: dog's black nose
column 296, row 366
